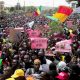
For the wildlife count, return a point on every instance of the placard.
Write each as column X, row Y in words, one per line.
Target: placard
column 34, row 33
column 15, row 34
column 39, row 43
column 63, row 46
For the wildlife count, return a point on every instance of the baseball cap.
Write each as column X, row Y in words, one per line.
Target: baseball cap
column 61, row 65
column 62, row 76
column 17, row 73
column 10, row 79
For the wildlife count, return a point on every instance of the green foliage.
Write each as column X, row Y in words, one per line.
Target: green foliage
column 55, row 27
column 12, row 9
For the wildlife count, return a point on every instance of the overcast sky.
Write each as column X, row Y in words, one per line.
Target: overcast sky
column 50, row 3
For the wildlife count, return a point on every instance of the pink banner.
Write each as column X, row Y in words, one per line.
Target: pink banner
column 34, row 33
column 27, row 31
column 39, row 43
column 63, row 46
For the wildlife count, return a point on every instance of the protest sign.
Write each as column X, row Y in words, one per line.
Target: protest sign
column 63, row 46
column 28, row 30
column 39, row 43
column 15, row 34
column 34, row 33
column 11, row 34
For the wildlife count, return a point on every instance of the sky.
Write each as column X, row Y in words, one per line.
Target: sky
column 50, row 3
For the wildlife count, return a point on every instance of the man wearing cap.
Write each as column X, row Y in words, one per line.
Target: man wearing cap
column 10, row 79
column 18, row 75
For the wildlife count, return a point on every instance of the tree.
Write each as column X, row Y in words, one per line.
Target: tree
column 12, row 9
column 55, row 27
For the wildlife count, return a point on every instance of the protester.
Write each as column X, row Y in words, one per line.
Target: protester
column 18, row 75
column 34, row 70
column 63, row 75
column 75, row 73
column 53, row 71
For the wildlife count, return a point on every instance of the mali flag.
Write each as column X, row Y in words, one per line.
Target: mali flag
column 38, row 11
column 62, row 13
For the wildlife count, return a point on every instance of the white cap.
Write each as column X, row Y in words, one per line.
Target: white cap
column 61, row 65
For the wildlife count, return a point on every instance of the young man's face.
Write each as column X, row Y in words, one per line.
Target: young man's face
column 14, row 62
column 36, row 66
column 26, row 58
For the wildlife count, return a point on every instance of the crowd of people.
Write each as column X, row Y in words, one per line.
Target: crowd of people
column 19, row 62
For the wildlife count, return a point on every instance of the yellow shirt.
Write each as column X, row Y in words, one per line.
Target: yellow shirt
column 63, row 58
